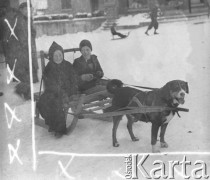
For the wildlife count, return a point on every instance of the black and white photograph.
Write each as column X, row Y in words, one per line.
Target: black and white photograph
column 104, row 89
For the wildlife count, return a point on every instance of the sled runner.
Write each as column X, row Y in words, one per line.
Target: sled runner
column 82, row 106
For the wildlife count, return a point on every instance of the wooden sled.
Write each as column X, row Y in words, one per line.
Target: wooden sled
column 84, row 106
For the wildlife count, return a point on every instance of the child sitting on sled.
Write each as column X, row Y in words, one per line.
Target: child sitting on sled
column 89, row 70
column 114, row 32
column 60, row 83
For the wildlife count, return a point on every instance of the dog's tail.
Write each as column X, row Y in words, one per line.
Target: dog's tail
column 113, row 85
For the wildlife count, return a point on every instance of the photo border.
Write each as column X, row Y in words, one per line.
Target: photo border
column 56, row 153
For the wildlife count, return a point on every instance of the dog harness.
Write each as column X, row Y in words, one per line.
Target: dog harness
column 136, row 100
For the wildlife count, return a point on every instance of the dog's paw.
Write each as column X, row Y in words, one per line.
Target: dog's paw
column 155, row 149
column 163, row 145
column 135, row 139
column 116, row 144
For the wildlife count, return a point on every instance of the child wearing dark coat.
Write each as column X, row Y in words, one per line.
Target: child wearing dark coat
column 60, row 83
column 114, row 32
column 154, row 22
column 89, row 70
column 15, row 48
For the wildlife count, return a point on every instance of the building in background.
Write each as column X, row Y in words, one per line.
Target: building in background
column 90, row 6
column 67, row 6
column 48, row 13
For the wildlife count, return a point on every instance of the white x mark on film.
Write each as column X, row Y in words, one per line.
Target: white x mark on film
column 12, row 73
column 65, row 168
column 14, row 151
column 12, row 29
column 12, row 112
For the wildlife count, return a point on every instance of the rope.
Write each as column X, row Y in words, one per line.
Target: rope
column 142, row 87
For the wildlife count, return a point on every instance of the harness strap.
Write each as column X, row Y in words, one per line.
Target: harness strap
column 136, row 100
column 171, row 106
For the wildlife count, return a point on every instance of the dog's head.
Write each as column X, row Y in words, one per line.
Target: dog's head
column 175, row 91
column 113, row 85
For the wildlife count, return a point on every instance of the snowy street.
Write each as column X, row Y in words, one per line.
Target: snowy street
column 180, row 51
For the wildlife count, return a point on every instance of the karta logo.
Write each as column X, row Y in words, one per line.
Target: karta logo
column 135, row 168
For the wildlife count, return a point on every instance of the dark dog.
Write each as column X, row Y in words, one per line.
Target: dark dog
column 170, row 95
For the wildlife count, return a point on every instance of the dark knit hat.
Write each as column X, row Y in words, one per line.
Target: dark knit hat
column 85, row 42
column 53, row 48
column 23, row 5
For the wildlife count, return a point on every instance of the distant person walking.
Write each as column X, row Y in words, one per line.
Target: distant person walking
column 154, row 22
column 207, row 2
column 114, row 32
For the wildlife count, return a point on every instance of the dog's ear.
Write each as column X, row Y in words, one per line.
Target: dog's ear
column 165, row 92
column 187, row 88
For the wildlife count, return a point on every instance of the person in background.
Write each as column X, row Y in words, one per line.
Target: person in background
column 60, row 83
column 16, row 50
column 207, row 2
column 114, row 32
column 89, row 70
column 154, row 22
column 4, row 6
column 24, row 40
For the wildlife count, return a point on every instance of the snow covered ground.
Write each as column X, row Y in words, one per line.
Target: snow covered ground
column 180, row 51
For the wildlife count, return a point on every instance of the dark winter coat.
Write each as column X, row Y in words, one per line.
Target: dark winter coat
column 60, row 78
column 60, row 83
column 91, row 66
column 17, row 48
column 153, row 15
column 113, row 31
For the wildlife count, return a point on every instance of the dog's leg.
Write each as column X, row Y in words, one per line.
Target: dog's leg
column 163, row 144
column 116, row 121
column 130, row 122
column 155, row 128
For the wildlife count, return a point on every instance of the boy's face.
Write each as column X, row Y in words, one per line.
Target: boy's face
column 57, row 56
column 86, row 52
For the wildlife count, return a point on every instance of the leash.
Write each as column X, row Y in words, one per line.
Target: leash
column 142, row 87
